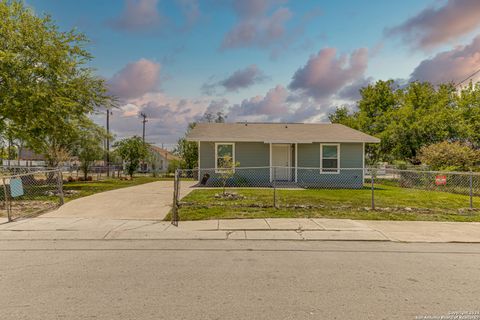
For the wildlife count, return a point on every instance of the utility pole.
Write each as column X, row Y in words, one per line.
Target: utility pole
column 144, row 116
column 144, row 121
column 108, row 142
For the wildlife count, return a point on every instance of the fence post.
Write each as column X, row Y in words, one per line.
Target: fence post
column 471, row 189
column 60, row 186
column 274, row 188
column 372, row 173
column 175, row 200
column 6, row 200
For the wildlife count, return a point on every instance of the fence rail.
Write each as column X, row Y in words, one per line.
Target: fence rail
column 27, row 193
column 310, row 188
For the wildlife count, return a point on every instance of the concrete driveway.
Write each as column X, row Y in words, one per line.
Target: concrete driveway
column 150, row 201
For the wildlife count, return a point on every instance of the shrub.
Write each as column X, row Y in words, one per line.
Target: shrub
column 450, row 156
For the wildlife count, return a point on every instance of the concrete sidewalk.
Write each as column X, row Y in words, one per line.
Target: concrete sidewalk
column 52, row 228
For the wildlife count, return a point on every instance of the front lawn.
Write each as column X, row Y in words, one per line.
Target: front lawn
column 392, row 203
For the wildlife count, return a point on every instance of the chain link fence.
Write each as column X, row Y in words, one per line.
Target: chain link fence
column 95, row 173
column 27, row 191
column 315, row 189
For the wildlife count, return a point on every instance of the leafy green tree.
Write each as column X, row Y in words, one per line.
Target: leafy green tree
column 132, row 151
column 89, row 148
column 47, row 89
column 342, row 115
column 219, row 117
column 453, row 156
column 468, row 102
column 174, row 165
column 408, row 118
column 188, row 150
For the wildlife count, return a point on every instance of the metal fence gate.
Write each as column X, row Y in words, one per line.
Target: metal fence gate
column 28, row 192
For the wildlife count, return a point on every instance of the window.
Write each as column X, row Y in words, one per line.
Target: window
column 330, row 158
column 224, row 155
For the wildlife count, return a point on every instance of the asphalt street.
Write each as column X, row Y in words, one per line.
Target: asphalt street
column 202, row 279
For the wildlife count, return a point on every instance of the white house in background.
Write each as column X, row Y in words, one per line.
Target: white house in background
column 161, row 159
column 27, row 158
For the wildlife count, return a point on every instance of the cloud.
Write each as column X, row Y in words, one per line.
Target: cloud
column 450, row 66
column 240, row 79
column 135, row 79
column 272, row 104
column 352, row 91
column 138, row 16
column 217, row 105
column 325, row 73
column 435, row 26
column 243, row 78
column 278, row 105
column 190, row 10
column 168, row 117
column 256, row 25
column 144, row 16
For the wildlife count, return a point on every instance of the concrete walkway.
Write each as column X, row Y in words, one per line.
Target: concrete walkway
column 150, row 201
column 53, row 228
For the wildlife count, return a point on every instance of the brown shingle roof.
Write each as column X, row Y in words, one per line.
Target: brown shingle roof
column 278, row 133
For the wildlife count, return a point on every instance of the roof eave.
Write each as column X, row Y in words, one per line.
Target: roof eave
column 282, row 140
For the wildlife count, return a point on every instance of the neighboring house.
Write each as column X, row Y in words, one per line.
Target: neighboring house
column 161, row 159
column 28, row 157
column 317, row 155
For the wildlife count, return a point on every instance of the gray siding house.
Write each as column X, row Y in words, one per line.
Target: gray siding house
column 307, row 155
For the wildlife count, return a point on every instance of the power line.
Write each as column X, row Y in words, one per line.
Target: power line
column 477, row 71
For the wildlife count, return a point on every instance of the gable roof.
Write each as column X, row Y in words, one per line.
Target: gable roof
column 277, row 133
column 164, row 153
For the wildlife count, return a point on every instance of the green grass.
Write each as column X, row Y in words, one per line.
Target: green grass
column 87, row 188
column 392, row 203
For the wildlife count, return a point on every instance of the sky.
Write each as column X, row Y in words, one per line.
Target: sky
column 262, row 60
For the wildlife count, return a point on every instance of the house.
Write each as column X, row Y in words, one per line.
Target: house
column 309, row 155
column 161, row 158
column 28, row 158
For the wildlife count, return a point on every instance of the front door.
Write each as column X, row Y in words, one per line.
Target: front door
column 281, row 161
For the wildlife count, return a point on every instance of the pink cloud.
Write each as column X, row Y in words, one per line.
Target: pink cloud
column 278, row 105
column 240, row 79
column 272, row 104
column 255, row 26
column 243, row 78
column 325, row 73
column 434, row 26
column 139, row 15
column 135, row 79
column 450, row 66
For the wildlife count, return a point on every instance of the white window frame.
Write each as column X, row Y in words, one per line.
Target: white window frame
column 337, row 171
column 217, row 169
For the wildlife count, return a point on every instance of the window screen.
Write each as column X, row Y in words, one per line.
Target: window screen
column 225, row 155
column 329, row 158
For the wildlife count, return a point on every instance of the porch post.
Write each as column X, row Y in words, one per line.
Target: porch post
column 296, row 162
column 363, row 163
column 198, row 164
column 270, row 162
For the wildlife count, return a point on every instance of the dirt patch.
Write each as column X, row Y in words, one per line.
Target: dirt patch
column 229, row 196
column 27, row 208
